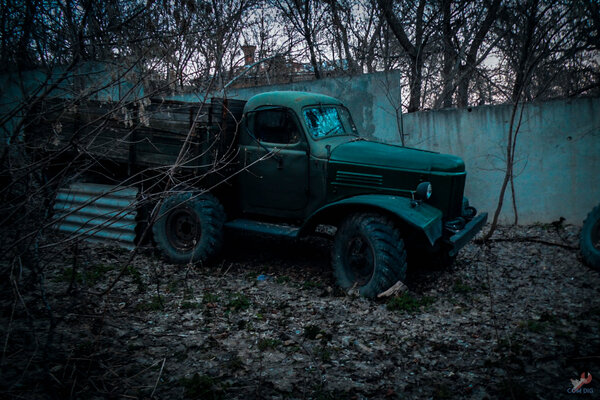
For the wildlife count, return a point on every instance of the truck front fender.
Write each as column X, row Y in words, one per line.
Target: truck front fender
column 422, row 217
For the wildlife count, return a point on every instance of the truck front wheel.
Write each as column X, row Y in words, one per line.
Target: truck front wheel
column 589, row 241
column 189, row 228
column 368, row 252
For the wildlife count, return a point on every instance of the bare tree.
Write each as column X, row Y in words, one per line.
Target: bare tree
column 306, row 18
column 420, row 20
column 537, row 36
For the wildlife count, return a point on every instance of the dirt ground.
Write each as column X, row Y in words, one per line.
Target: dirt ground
column 512, row 319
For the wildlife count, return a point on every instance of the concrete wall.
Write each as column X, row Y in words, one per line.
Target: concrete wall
column 557, row 161
column 95, row 81
column 557, row 154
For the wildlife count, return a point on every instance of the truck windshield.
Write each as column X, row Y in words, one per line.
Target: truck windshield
column 325, row 121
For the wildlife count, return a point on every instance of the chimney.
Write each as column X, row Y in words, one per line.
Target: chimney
column 248, row 54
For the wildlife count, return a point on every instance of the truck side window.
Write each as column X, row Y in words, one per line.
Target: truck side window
column 275, row 126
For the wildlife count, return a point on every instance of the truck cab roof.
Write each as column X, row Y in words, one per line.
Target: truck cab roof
column 290, row 99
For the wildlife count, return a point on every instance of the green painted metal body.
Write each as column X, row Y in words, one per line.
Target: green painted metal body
column 320, row 180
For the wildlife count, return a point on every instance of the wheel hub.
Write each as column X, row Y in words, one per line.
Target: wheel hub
column 183, row 229
column 360, row 259
column 596, row 235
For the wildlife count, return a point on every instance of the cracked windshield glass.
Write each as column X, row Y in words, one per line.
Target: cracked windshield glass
column 329, row 121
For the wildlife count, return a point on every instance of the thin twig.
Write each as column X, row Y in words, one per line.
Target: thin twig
column 526, row 239
column 158, row 377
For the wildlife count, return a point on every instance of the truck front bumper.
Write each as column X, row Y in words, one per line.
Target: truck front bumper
column 462, row 237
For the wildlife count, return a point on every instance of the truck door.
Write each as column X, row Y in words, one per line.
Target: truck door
column 274, row 152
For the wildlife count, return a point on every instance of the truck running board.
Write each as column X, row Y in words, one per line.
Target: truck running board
column 265, row 228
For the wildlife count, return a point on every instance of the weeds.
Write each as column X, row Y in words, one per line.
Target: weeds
column 156, row 304
column 408, row 303
column 89, row 276
column 210, row 298
column 190, row 305
column 136, row 276
column 311, row 285
column 461, row 288
column 238, row 302
column 202, row 387
column 268, row 343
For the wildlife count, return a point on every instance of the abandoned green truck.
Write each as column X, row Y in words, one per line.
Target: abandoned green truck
column 282, row 163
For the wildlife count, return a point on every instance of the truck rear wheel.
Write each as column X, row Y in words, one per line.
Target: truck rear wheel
column 189, row 228
column 368, row 252
column 589, row 241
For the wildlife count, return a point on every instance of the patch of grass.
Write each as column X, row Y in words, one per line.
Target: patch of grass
column 90, row 276
column 509, row 389
column 85, row 347
column 311, row 285
column 283, row 279
column 442, row 392
column 181, row 356
column 210, row 297
column 155, row 304
column 66, row 275
column 97, row 272
column 509, row 345
column 251, row 276
column 323, row 353
column 172, row 286
column 318, row 392
column 190, row 305
column 461, row 288
column 268, row 343
column 135, row 274
column 311, row 332
column 235, row 363
column 547, row 317
column 406, row 302
column 532, row 325
column 188, row 293
column 202, row 387
column 238, row 302
column 293, row 349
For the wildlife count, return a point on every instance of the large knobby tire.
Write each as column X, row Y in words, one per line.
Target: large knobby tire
column 189, row 228
column 589, row 242
column 368, row 252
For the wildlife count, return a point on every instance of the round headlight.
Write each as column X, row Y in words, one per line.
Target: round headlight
column 423, row 191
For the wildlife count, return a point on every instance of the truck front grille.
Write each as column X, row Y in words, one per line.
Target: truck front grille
column 456, row 196
column 357, row 178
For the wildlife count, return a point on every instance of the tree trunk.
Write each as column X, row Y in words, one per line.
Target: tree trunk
column 447, row 76
column 467, row 68
column 414, row 51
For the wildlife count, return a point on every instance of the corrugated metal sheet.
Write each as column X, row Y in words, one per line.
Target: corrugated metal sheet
column 99, row 213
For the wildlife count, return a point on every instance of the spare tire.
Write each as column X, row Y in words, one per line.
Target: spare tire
column 368, row 252
column 589, row 241
column 189, row 228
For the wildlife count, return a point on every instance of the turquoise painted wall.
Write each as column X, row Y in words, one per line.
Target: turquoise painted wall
column 557, row 158
column 95, row 81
